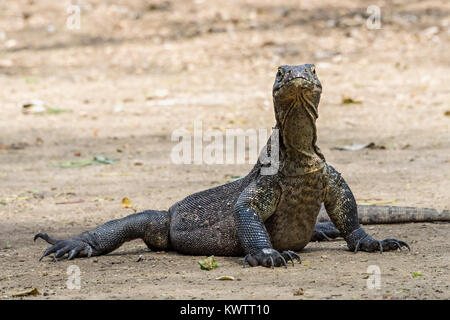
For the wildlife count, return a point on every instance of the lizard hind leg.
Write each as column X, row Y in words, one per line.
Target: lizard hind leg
column 151, row 226
column 156, row 235
column 325, row 231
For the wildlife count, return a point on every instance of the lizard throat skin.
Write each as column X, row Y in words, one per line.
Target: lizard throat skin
column 297, row 125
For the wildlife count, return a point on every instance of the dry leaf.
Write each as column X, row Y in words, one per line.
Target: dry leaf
column 29, row 292
column 225, row 278
column 356, row 147
column 126, row 203
column 299, row 292
column 33, row 107
column 346, row 99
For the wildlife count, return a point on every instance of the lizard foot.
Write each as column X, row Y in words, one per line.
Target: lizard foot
column 325, row 231
column 270, row 258
column 73, row 247
column 369, row 244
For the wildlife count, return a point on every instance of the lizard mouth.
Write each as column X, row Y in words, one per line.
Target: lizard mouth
column 300, row 82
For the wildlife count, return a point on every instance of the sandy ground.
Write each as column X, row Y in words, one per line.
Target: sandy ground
column 136, row 71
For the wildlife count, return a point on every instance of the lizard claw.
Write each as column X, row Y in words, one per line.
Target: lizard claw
column 291, row 255
column 393, row 244
column 73, row 247
column 369, row 244
column 270, row 258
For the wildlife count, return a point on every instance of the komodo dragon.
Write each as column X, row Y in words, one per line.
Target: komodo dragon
column 265, row 217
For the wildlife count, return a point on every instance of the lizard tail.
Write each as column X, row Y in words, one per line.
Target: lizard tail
column 371, row 214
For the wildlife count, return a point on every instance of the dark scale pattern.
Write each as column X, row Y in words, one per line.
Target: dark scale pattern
column 203, row 223
column 255, row 204
column 292, row 224
column 150, row 225
column 262, row 216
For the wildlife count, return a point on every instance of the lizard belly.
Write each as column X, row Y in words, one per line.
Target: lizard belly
column 292, row 224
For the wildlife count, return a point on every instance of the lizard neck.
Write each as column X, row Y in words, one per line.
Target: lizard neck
column 296, row 121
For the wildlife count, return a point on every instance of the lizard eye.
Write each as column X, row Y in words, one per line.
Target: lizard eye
column 280, row 74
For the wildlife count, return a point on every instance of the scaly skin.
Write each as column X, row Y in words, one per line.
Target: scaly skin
column 265, row 217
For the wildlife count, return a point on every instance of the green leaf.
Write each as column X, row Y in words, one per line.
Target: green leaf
column 83, row 163
column 208, row 263
column 75, row 164
column 55, row 110
column 104, row 160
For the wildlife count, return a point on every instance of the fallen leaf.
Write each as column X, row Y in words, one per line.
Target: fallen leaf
column 208, row 263
column 75, row 164
column 37, row 106
column 346, row 99
column 104, row 160
column 126, row 203
column 356, row 147
column 30, row 292
column 71, row 202
column 50, row 110
column 83, row 163
column 225, row 278
column 33, row 107
column 299, row 292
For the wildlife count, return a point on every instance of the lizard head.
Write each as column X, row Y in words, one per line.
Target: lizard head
column 291, row 80
column 296, row 86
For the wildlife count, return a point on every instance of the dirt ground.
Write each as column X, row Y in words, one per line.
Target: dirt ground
column 135, row 71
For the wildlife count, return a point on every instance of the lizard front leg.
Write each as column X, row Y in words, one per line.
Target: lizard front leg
column 342, row 209
column 254, row 205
